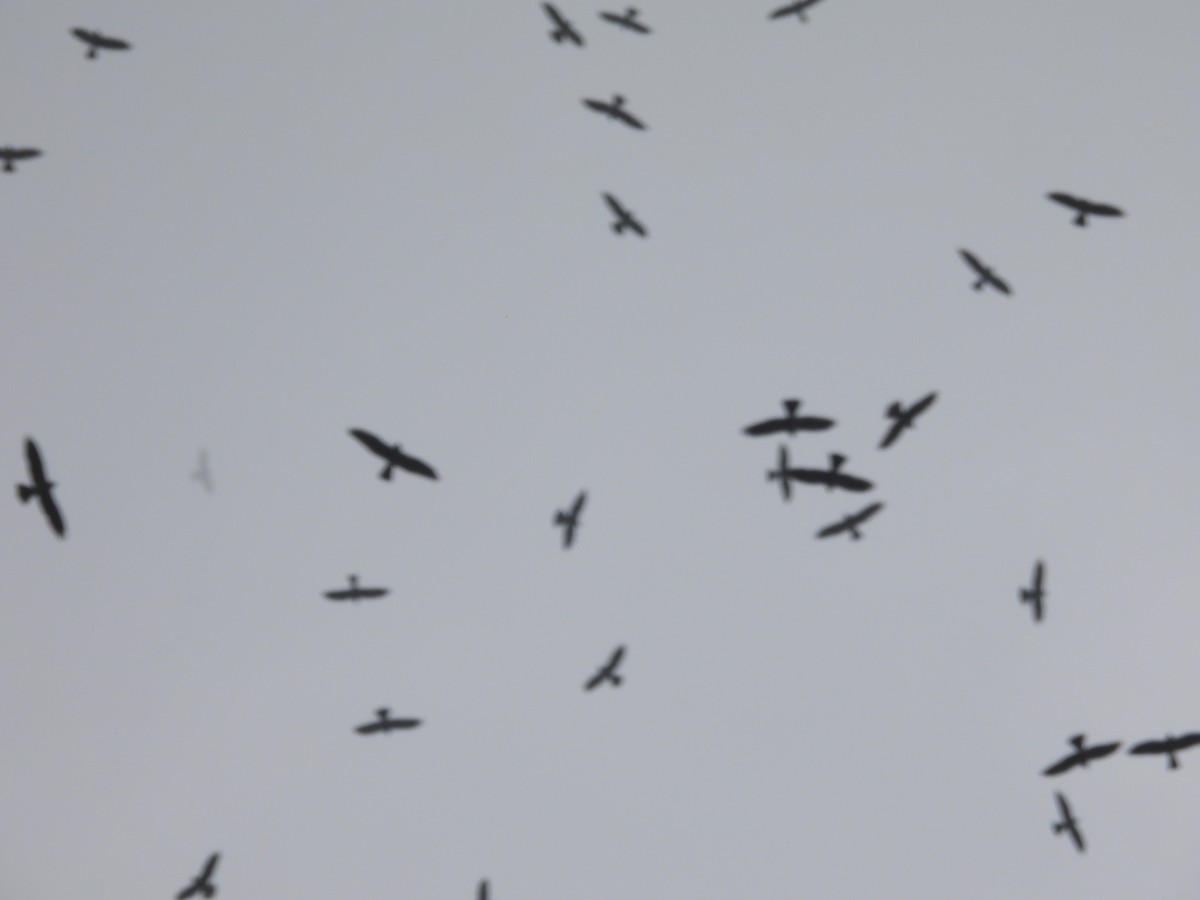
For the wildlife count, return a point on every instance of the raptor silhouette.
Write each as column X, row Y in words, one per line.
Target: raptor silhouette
column 1081, row 756
column 1084, row 208
column 904, row 418
column 42, row 488
column 202, row 883
column 97, row 41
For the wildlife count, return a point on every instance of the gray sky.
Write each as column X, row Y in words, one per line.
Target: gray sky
column 271, row 222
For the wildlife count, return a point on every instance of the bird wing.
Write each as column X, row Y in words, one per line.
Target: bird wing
column 786, row 10
column 1073, row 828
column 577, row 507
column 50, row 508
column 1104, row 209
column 835, row 528
column 1155, row 746
column 1187, row 740
column 1066, row 200
column 615, row 659
column 892, row 433
column 637, row 226
column 1063, row 809
column 1067, row 762
column 597, row 105
column 209, row 866
column 615, row 205
column 1000, row 284
column 556, row 16
column 813, row 423
column 414, row 465
column 866, row 513
column 973, row 261
column 342, row 594
column 767, row 426
column 34, row 458
column 921, row 405
column 372, row 443
column 111, row 43
column 629, row 119
column 594, row 682
column 1102, row 750
column 1038, row 571
column 88, row 37
column 851, row 482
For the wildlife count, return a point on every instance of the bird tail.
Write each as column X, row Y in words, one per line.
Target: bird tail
column 386, row 474
column 24, row 492
column 1059, row 827
column 1081, row 219
column 560, row 518
column 209, row 891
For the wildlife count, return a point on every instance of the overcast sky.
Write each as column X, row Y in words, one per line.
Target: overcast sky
column 271, row 222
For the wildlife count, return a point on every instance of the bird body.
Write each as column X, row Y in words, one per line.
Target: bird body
column 985, row 275
column 904, row 418
column 97, row 41
column 569, row 519
column 790, row 422
column 1084, row 208
column 42, row 488
column 11, row 155
column 850, row 523
column 393, row 456
column 607, row 672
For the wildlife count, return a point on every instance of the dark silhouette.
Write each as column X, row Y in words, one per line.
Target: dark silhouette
column 607, row 672
column 392, row 454
column 797, row 8
column 382, row 723
column 1035, row 593
column 563, row 30
column 789, row 423
column 986, row 275
column 1082, row 755
column 96, row 41
column 615, row 109
column 12, row 155
column 904, row 418
column 202, row 883
column 625, row 219
column 1084, row 208
column 483, row 890
column 41, row 488
column 202, row 474
column 850, row 523
column 627, row 20
column 570, row 519
column 1168, row 745
column 354, row 592
column 833, row 477
column 785, row 474
column 1068, row 823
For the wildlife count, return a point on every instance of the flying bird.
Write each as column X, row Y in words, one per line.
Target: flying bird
column 625, row 218
column 797, row 8
column 784, row 474
column 789, row 422
column 392, row 455
column 1084, row 208
column 850, row 523
column 986, row 275
column 97, row 41
column 382, row 723
column 202, row 474
column 615, row 109
column 627, row 20
column 904, row 418
column 202, row 883
column 41, row 488
column 569, row 520
column 607, row 672
column 354, row 592
column 833, row 477
column 1035, row 593
column 12, row 155
column 1169, row 746
column 1068, row 822
column 1082, row 755
column 483, row 890
column 563, row 30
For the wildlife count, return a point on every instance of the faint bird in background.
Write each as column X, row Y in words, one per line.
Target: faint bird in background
column 1035, row 594
column 627, row 20
column 569, row 519
column 798, row 9
column 202, row 473
column 607, row 672
column 615, row 109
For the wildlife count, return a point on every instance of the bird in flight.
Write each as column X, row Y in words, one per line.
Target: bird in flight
column 1068, row 822
column 627, row 20
column 904, row 418
column 382, row 723
column 833, row 477
column 789, row 422
column 986, row 275
column 483, row 890
column 1035, row 593
column 625, row 219
column 563, row 29
column 202, row 474
column 41, row 488
column 202, row 883
column 797, row 8
column 615, row 109
column 569, row 520
column 1168, row 745
column 354, row 592
column 784, row 474
column 12, row 155
column 1084, row 208
column 97, row 41
column 1082, row 755
column 392, row 455
column 850, row 523
column 607, row 672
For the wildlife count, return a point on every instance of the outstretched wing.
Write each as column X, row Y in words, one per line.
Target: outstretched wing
column 629, row 119
column 88, row 37
column 615, row 659
column 1145, row 747
column 787, row 10
column 852, row 482
column 1104, row 209
column 1063, row 765
column 923, row 404
column 210, row 866
column 53, row 515
column 835, row 528
column 416, row 466
column 371, row 442
column 973, row 261
column 1066, row 200
column 1038, row 572
column 556, row 16
column 33, row 458
column 615, row 205
column 766, row 426
column 577, row 507
column 866, row 513
column 1099, row 751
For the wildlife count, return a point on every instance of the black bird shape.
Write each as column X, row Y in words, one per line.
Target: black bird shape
column 202, row 883
column 1035, row 593
column 986, row 275
column 564, row 30
column 392, row 454
column 1068, row 822
column 904, row 418
column 483, row 890
column 797, row 8
column 202, row 474
column 1168, row 745
column 11, row 155
column 570, row 519
column 383, row 723
column 354, row 592
column 625, row 219
column 41, row 488
column 627, row 20
column 1081, row 756
column 790, row 423
column 607, row 672
column 97, row 41
column 833, row 477
column 615, row 109
column 1084, row 208
column 784, row 474
column 850, row 523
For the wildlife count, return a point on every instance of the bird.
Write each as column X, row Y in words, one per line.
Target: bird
column 202, row 883
column 354, row 592
column 850, row 523
column 615, row 109
column 789, row 422
column 41, row 488
column 1068, row 822
column 797, row 8
column 202, row 474
column 383, row 723
column 625, row 218
column 97, row 41
column 393, row 456
column 1169, row 745
column 784, row 474
column 904, row 418
column 627, row 20
column 607, row 672
column 986, row 275
column 1084, row 208
column 569, row 520
column 564, row 30
column 833, row 477
column 1035, row 593
column 1082, row 755
column 11, row 155
column 483, row 890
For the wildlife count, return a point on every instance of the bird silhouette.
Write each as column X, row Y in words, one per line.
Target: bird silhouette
column 904, row 418
column 1084, row 208
column 13, row 155
column 392, row 455
column 1067, row 823
column 202, row 883
column 1082, row 755
column 607, row 672
column 563, row 29
column 1168, row 746
column 789, row 423
column 97, row 41
column 569, row 519
column 985, row 275
column 41, row 488
column 383, row 723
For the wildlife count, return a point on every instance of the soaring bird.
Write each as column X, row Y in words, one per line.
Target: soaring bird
column 41, row 488
column 1082, row 755
column 97, row 41
column 569, row 519
column 392, row 455
column 985, row 275
column 607, row 672
column 904, row 418
column 202, row 883
column 1084, row 208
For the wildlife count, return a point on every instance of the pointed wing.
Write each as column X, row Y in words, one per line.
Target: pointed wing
column 25, row 153
column 577, row 507
column 33, row 458
column 371, row 727
column 53, row 515
column 1066, row 763
column 1073, row 829
column 372, row 443
column 637, row 226
column 835, row 528
column 598, row 105
column 1099, row 751
column 921, row 405
column 1000, row 284
column 615, row 205
column 615, row 659
column 1187, row 740
column 1146, row 747
column 414, row 465
column 1104, row 209
column 556, row 16
column 866, row 513
column 594, row 682
column 813, row 423
column 1067, row 200
column 973, row 261
column 766, row 426
column 209, row 867
column 787, row 10
column 1038, row 572
column 851, row 482
column 483, row 890
column 110, row 43
column 401, row 723
column 1064, row 810
column 88, row 37
column 629, row 119
column 341, row 594
column 372, row 593
column 892, row 433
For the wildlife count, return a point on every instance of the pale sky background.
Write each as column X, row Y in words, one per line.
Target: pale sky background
column 274, row 221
